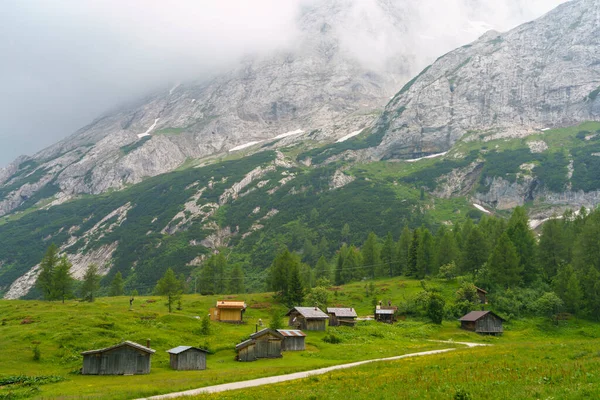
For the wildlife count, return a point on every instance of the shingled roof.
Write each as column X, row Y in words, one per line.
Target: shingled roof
column 342, row 312
column 309, row 312
column 231, row 304
column 477, row 315
column 265, row 332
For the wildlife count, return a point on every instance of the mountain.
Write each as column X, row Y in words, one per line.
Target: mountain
column 314, row 90
column 510, row 119
column 542, row 74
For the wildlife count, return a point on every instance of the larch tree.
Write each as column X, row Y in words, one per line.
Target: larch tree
column 402, row 250
column 411, row 267
column 62, row 280
column 295, row 291
column 236, row 280
column 117, row 285
column 425, row 254
column 322, row 269
column 524, row 241
column 475, row 251
column 552, row 252
column 46, row 277
column 91, row 283
column 170, row 287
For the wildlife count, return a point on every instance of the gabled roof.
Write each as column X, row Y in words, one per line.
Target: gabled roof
column 245, row 344
column 477, row 315
column 385, row 311
column 291, row 332
column 480, row 290
column 240, row 305
column 181, row 349
column 309, row 312
column 342, row 312
column 266, row 331
column 125, row 343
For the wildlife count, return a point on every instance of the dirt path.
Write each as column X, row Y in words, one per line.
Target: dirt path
column 297, row 375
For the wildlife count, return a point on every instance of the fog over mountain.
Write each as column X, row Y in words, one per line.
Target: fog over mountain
column 66, row 62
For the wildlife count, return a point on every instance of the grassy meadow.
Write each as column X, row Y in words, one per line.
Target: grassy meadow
column 533, row 359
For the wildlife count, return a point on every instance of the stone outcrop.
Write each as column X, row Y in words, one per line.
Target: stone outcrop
column 542, row 74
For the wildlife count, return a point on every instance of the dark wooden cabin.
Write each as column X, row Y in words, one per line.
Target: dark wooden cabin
column 385, row 314
column 246, row 350
column 482, row 295
column 293, row 340
column 341, row 316
column 485, row 322
column 307, row 318
column 228, row 311
column 268, row 343
column 127, row 358
column 187, row 358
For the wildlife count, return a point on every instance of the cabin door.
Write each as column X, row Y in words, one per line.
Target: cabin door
column 262, row 348
column 273, row 348
column 141, row 363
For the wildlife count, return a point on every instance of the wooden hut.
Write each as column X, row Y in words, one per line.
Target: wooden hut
column 293, row 340
column 268, row 343
column 307, row 318
column 228, row 311
column 482, row 295
column 187, row 358
column 485, row 322
column 246, row 350
column 341, row 316
column 125, row 358
column 385, row 314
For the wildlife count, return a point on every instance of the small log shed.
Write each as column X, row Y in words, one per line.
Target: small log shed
column 127, row 358
column 341, row 316
column 187, row 358
column 246, row 350
column 385, row 314
column 228, row 311
column 307, row 318
column 484, row 322
column 268, row 343
column 293, row 340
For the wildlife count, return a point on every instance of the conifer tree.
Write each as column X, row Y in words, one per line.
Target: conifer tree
column 567, row 287
column 353, row 263
column 425, row 254
column 387, row 254
column 116, row 286
column 371, row 255
column 475, row 251
column 503, row 264
column 236, row 280
column 522, row 238
column 552, row 252
column 322, row 269
column 411, row 267
column 91, row 283
column 339, row 266
column 170, row 287
column 62, row 280
column 295, row 291
column 45, row 279
column 446, row 249
column 402, row 251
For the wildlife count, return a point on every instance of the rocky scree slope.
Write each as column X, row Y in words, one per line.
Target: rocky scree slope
column 314, row 90
column 542, row 74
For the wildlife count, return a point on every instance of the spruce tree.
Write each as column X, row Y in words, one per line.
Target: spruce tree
column 475, row 251
column 446, row 249
column 402, row 251
column 371, row 255
column 503, row 264
column 220, row 266
column 552, row 252
column 425, row 254
column 91, row 283
column 387, row 254
column 208, row 276
column 45, row 279
column 524, row 241
column 353, row 265
column 411, row 267
column 62, row 280
column 236, row 280
column 116, row 286
column 339, row 265
column 568, row 288
column 295, row 291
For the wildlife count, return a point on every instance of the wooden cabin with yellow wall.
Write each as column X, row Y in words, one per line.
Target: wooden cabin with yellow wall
column 228, row 311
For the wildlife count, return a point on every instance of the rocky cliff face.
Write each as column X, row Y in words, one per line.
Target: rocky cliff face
column 316, row 90
column 542, row 74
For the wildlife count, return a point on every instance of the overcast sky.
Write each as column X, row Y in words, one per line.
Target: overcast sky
column 65, row 62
